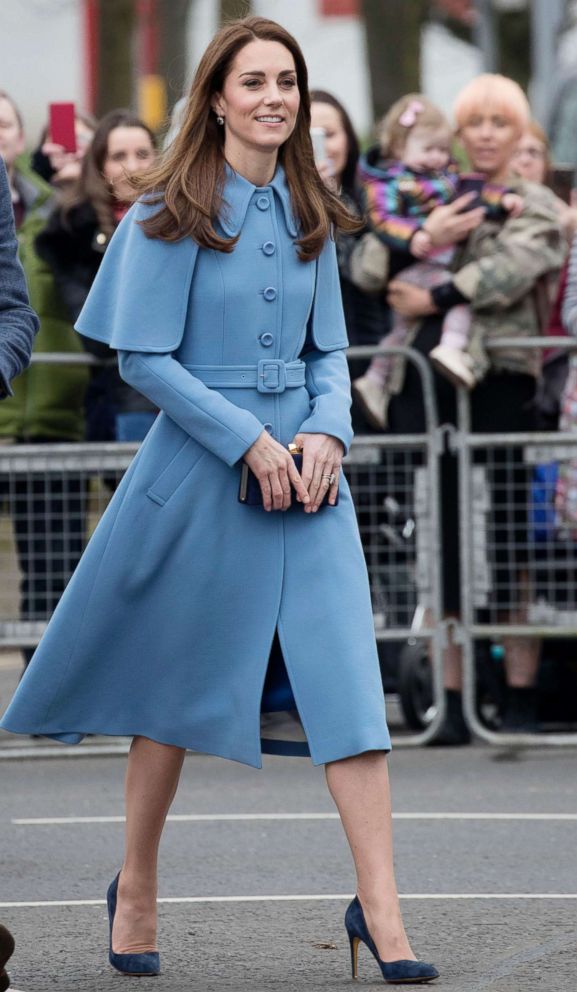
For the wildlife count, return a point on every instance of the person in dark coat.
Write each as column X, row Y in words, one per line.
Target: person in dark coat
column 73, row 244
column 367, row 315
column 221, row 295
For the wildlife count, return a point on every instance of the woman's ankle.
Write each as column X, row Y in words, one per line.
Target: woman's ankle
column 136, row 883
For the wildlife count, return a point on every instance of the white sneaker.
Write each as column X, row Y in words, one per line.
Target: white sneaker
column 372, row 399
column 456, row 365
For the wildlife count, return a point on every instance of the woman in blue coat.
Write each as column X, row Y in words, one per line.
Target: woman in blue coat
column 194, row 621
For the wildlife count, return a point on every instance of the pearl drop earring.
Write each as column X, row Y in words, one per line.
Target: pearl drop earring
column 219, row 119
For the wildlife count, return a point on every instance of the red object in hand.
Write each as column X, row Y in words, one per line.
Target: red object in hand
column 340, row 8
column 62, row 125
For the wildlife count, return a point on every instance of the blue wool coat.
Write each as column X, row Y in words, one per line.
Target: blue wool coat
column 167, row 625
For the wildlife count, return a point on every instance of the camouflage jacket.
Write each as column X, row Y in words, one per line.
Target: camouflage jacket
column 509, row 271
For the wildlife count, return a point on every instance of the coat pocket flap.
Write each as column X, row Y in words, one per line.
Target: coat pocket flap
column 178, row 468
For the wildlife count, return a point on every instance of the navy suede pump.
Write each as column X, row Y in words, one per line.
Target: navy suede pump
column 395, row 972
column 129, row 964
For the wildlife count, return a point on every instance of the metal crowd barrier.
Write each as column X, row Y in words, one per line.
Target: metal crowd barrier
column 53, row 495
column 394, row 480
column 518, row 558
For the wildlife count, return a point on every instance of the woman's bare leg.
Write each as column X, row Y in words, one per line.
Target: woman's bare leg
column 151, row 781
column 360, row 789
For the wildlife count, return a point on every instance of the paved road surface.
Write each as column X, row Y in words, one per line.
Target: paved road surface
column 523, row 938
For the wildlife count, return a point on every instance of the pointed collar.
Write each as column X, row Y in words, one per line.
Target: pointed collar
column 238, row 193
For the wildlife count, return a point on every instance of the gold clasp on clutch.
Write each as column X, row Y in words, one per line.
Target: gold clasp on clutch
column 295, row 449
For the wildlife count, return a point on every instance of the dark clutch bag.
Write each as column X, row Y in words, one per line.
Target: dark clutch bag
column 250, row 493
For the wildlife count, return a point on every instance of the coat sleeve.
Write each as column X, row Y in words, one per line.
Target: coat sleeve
column 569, row 306
column 526, row 248
column 225, row 429
column 18, row 322
column 386, row 214
column 329, row 386
column 327, row 375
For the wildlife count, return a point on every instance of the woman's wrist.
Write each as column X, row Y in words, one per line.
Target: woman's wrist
column 446, row 296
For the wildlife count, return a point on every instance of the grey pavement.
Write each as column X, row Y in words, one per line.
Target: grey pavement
column 517, row 944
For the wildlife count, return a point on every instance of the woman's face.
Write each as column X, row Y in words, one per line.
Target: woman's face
column 130, row 151
column 336, row 141
column 490, row 138
column 530, row 159
column 260, row 99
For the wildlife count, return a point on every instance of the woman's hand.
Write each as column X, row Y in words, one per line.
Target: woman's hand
column 446, row 225
column 322, row 458
column 276, row 472
column 408, row 300
column 66, row 165
column 513, row 204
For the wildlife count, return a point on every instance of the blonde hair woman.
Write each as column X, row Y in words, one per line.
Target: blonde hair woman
column 496, row 272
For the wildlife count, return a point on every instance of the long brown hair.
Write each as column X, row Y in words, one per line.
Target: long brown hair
column 189, row 179
column 92, row 186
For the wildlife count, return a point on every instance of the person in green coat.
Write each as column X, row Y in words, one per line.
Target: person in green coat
column 48, row 512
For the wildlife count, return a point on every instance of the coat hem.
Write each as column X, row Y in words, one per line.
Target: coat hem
column 76, row 737
column 325, row 755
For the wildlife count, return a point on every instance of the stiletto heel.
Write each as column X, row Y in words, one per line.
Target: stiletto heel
column 354, row 955
column 147, row 963
column 403, row 972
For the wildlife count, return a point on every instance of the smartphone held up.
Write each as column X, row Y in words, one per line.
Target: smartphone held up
column 62, row 125
column 319, row 140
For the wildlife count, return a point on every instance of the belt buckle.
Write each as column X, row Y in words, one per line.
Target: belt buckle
column 271, row 375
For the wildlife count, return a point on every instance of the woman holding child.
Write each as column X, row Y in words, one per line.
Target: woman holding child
column 496, row 269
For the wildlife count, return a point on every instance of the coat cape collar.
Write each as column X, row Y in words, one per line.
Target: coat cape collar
column 238, row 193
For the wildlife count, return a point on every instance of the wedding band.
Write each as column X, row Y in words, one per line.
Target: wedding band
column 331, row 479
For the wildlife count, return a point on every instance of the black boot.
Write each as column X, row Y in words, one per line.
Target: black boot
column 520, row 711
column 453, row 731
column 6, row 951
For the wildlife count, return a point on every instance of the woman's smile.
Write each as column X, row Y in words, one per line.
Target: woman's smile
column 271, row 120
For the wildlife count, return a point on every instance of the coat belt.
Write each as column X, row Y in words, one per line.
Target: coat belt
column 271, row 375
